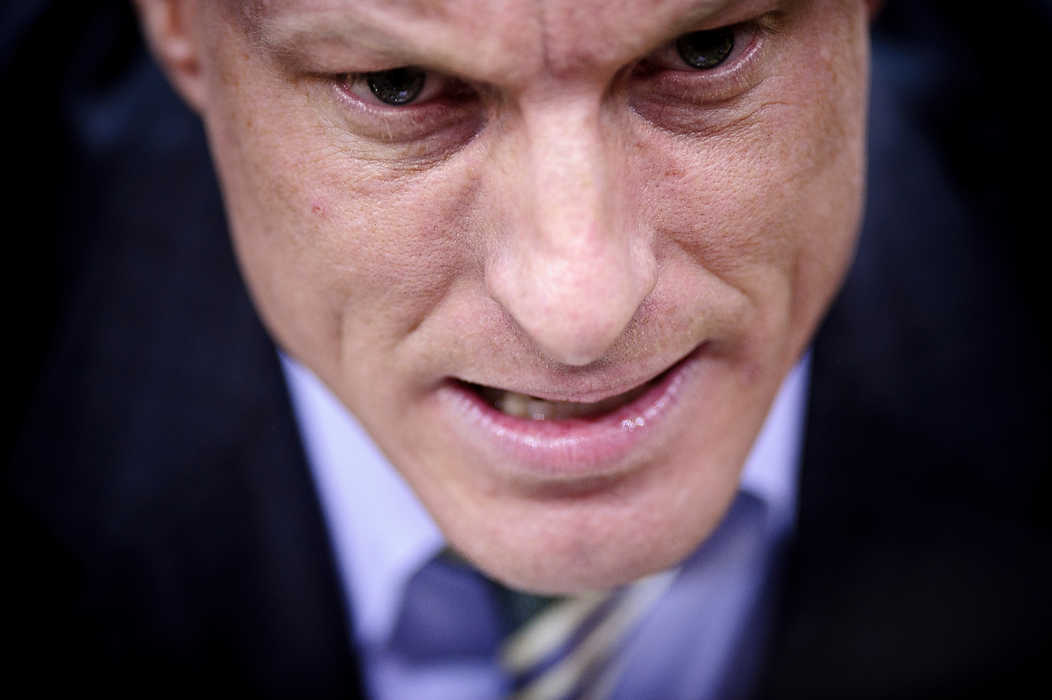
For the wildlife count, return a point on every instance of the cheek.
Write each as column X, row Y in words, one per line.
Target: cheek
column 389, row 247
column 771, row 205
column 333, row 246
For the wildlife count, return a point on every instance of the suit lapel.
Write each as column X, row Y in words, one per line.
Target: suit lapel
column 169, row 532
column 912, row 571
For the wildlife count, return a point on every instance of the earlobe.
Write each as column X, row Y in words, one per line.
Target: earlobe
column 169, row 28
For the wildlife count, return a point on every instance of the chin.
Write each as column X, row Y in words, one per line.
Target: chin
column 564, row 536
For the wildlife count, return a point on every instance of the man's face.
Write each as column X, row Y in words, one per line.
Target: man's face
column 579, row 201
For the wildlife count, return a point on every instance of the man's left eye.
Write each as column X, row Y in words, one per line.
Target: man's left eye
column 706, row 49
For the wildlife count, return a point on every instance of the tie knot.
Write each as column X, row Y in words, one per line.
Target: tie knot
column 519, row 607
column 550, row 647
column 567, row 647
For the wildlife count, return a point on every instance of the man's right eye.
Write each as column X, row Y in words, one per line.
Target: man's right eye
column 404, row 86
column 408, row 103
column 398, row 86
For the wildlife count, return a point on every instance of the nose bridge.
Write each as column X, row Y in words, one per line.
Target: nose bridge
column 572, row 271
column 569, row 174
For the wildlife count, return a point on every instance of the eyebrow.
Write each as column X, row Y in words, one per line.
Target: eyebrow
column 296, row 36
column 704, row 10
column 383, row 33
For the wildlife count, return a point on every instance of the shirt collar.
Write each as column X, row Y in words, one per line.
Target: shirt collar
column 771, row 468
column 381, row 533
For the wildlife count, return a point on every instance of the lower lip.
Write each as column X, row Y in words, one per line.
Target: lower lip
column 577, row 447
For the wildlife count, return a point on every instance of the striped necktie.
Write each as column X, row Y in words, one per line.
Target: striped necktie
column 563, row 649
column 695, row 632
column 566, row 650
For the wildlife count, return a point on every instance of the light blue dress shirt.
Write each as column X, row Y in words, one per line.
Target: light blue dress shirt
column 381, row 535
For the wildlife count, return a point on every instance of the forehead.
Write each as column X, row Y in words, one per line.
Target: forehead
column 558, row 34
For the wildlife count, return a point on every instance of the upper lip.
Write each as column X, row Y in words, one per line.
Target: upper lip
column 590, row 388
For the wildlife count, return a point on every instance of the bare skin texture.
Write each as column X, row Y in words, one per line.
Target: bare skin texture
column 565, row 211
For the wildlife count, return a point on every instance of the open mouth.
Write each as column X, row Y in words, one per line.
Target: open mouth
column 545, row 437
column 518, row 405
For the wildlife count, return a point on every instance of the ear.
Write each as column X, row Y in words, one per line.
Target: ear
column 169, row 26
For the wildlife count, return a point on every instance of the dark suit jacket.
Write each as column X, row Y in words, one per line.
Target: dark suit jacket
column 164, row 534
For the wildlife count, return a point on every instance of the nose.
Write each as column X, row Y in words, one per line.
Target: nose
column 572, row 267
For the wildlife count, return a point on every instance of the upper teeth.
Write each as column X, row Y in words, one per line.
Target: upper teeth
column 523, row 406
